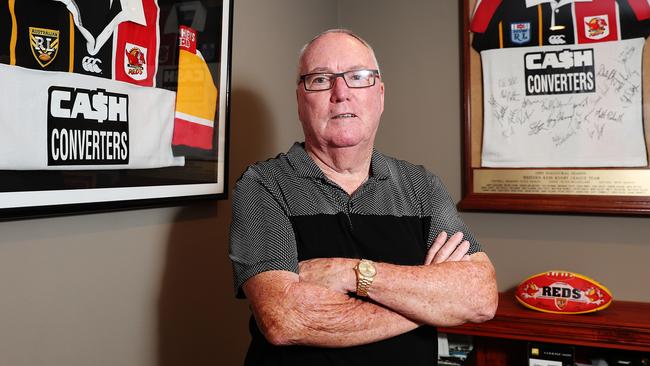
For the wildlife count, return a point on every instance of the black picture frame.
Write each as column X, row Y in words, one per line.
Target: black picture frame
column 52, row 190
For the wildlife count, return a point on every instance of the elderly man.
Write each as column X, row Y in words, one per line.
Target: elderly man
column 347, row 255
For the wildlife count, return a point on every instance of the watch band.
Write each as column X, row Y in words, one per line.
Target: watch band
column 366, row 272
column 363, row 285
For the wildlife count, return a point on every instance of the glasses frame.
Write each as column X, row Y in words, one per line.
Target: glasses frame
column 336, row 75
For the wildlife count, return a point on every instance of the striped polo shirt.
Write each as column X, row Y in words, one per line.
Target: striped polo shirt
column 285, row 210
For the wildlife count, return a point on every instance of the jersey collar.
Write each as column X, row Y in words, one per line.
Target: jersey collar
column 554, row 4
column 305, row 166
column 132, row 11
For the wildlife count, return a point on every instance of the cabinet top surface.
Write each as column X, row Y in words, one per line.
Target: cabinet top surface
column 623, row 325
column 619, row 314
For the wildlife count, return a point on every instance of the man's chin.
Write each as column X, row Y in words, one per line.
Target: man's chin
column 342, row 141
column 349, row 143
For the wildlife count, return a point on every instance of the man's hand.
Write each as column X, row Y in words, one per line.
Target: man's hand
column 336, row 274
column 443, row 250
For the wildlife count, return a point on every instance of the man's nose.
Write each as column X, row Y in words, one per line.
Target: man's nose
column 340, row 90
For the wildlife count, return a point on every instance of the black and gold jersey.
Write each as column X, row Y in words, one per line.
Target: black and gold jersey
column 106, row 38
column 40, row 35
column 5, row 32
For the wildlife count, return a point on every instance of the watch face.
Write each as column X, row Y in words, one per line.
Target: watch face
column 367, row 269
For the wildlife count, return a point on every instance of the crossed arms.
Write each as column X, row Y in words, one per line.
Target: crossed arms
column 314, row 308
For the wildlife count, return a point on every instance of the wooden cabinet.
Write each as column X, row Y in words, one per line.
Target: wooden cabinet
column 624, row 325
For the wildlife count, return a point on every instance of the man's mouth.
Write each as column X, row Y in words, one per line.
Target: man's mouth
column 344, row 115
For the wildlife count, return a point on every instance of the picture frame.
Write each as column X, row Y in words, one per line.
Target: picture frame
column 543, row 189
column 158, row 137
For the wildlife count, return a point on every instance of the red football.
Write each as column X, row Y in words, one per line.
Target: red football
column 563, row 292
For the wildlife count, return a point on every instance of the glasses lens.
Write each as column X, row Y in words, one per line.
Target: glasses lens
column 353, row 79
column 318, row 81
column 360, row 78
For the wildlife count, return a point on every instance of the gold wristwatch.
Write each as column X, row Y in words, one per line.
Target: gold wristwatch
column 366, row 272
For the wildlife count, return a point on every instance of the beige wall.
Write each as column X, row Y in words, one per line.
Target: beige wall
column 154, row 287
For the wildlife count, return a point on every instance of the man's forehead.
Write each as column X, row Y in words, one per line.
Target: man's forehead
column 336, row 50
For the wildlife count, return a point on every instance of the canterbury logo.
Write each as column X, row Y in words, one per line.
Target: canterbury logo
column 556, row 39
column 90, row 64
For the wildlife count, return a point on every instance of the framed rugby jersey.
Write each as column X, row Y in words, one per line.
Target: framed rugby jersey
column 112, row 103
column 556, row 112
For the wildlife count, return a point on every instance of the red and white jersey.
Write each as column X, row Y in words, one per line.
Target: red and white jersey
column 137, row 46
column 562, row 82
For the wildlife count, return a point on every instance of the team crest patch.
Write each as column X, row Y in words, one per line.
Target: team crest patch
column 597, row 27
column 520, row 33
column 44, row 44
column 135, row 62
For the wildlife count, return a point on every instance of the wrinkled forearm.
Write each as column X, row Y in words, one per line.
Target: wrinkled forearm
column 308, row 314
column 445, row 294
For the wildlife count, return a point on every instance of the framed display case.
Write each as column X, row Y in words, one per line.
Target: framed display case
column 112, row 104
column 556, row 106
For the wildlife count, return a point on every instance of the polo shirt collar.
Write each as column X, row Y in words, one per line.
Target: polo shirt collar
column 305, row 166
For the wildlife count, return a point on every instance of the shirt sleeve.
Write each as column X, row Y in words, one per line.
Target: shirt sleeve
column 483, row 13
column 444, row 215
column 484, row 25
column 261, row 235
column 641, row 9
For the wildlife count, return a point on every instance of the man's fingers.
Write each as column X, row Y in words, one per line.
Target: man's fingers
column 437, row 244
column 459, row 252
column 442, row 250
column 448, row 248
column 303, row 264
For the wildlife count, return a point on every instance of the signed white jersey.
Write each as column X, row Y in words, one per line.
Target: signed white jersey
column 562, row 82
column 564, row 107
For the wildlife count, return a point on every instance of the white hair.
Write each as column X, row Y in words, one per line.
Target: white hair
column 301, row 54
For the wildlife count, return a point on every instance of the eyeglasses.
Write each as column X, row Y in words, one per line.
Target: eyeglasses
column 319, row 81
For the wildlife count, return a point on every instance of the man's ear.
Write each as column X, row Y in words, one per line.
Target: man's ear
column 381, row 91
column 297, row 101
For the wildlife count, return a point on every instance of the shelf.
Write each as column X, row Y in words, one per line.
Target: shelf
column 623, row 325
